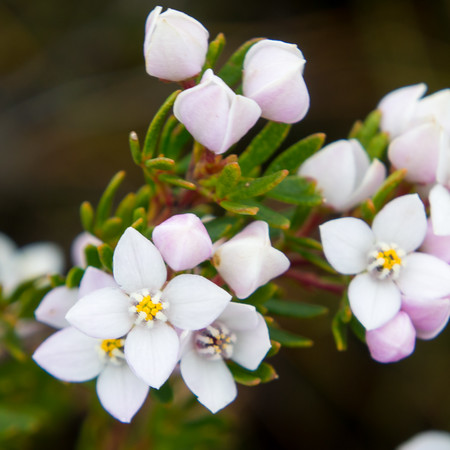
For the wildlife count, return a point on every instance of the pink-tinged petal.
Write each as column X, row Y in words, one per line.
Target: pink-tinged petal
column 429, row 317
column 183, row 241
column 398, row 107
column 102, row 314
column 137, row 263
column 393, row 341
column 440, row 210
column 346, row 244
column 403, row 222
column 54, row 306
column 251, row 345
column 424, row 277
column 69, row 355
column 434, row 107
column 211, row 381
column 94, row 279
column 152, row 353
column 438, row 246
column 194, row 301
column 428, row 440
column 121, row 392
column 79, row 244
column 239, row 317
column 417, row 151
column 373, row 302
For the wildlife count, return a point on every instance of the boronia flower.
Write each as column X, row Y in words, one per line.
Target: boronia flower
column 214, row 115
column 344, row 173
column 248, row 260
column 175, row 45
column 145, row 311
column 384, row 260
column 240, row 334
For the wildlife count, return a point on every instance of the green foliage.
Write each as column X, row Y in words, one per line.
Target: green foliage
column 228, row 179
column 299, row 310
column 215, row 49
column 263, row 374
column 296, row 191
column 74, row 277
column 288, row 339
column 106, row 200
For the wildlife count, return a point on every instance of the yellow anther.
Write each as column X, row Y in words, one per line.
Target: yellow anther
column 149, row 308
column 109, row 345
column 390, row 258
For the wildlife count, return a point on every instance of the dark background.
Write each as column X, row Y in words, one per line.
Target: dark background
column 73, row 85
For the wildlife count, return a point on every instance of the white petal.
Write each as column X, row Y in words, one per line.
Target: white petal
column 94, row 279
column 121, row 392
column 152, row 353
column 252, row 345
column 438, row 246
column 428, row 440
column 102, row 314
column 373, row 302
column 210, row 381
column 194, row 301
column 69, row 355
column 403, row 222
column 137, row 263
column 443, row 169
column 239, row 317
column 424, row 277
column 346, row 244
column 440, row 210
column 54, row 306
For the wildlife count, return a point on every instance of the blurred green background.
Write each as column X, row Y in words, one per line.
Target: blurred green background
column 73, row 85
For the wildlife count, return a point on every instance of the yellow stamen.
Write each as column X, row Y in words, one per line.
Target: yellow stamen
column 109, row 345
column 390, row 258
column 149, row 308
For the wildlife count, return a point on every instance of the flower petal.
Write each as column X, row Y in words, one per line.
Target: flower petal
column 210, row 380
column 194, row 301
column 440, row 210
column 435, row 245
column 152, row 353
column 54, row 306
column 373, row 302
column 393, row 341
column 346, row 244
column 403, row 222
column 79, row 244
column 239, row 317
column 424, row 277
column 120, row 391
column 137, row 263
column 102, row 314
column 69, row 355
column 94, row 279
column 427, row 440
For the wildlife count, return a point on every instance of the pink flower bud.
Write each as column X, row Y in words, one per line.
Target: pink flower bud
column 183, row 241
column 214, row 115
column 393, row 341
column 273, row 77
column 175, row 45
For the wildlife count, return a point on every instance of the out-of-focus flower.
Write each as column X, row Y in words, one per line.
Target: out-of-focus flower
column 385, row 261
column 214, row 115
column 438, row 246
column 240, row 334
column 182, row 241
column 146, row 311
column 248, row 260
column 427, row 440
column 344, row 173
column 175, row 45
column 31, row 261
column 273, row 77
column 79, row 244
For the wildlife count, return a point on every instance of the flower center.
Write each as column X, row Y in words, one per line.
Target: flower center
column 148, row 308
column 112, row 350
column 215, row 341
column 385, row 261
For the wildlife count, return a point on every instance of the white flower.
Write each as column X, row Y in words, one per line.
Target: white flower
column 146, row 311
column 239, row 334
column 248, row 260
column 344, row 173
column 427, row 440
column 385, row 261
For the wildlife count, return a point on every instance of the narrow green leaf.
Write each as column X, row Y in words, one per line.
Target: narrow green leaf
column 262, row 295
column 140, row 213
column 143, row 196
column 112, row 228
column 231, row 72
column 369, row 128
column 273, row 218
column 228, row 179
column 126, row 208
column 135, row 148
column 292, row 158
column 166, row 134
column 297, row 191
column 239, row 208
column 156, row 125
column 305, row 242
column 266, row 372
column 300, row 215
column 92, row 258
column 176, row 181
column 296, row 309
column 87, row 216
column 214, row 51
column 217, row 228
column 263, row 374
column 274, row 349
column 106, row 200
column 391, row 183
column 257, row 186
column 288, row 339
column 339, row 330
column 160, row 163
column 105, row 253
column 263, row 145
column 74, row 277
column 315, row 259
column 378, row 145
column 179, row 138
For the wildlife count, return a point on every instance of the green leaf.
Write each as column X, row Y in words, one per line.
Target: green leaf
column 143, row 196
column 297, row 191
column 160, row 163
column 263, row 145
column 339, row 330
column 296, row 154
column 257, row 186
column 87, row 216
column 217, row 228
column 231, row 72
column 273, row 218
column 369, row 128
column 214, row 51
column 274, row 349
column 305, row 242
column 263, row 374
column 156, row 125
column 164, row 394
column 179, row 138
column 135, row 148
column 378, row 145
column 296, row 309
column 105, row 253
column 315, row 259
column 112, row 228
column 228, row 179
column 391, row 183
column 288, row 339
column 74, row 277
column 176, row 181
column 126, row 207
column 300, row 215
column 262, row 295
column 92, row 258
column 239, row 208
column 106, row 200
column 166, row 134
